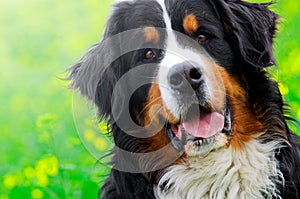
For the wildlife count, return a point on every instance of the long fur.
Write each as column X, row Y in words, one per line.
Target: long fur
column 267, row 167
column 234, row 179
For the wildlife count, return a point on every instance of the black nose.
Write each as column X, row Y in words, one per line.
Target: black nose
column 185, row 75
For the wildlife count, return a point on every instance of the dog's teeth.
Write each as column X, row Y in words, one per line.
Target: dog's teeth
column 204, row 142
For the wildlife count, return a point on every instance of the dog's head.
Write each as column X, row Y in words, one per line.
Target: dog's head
column 192, row 70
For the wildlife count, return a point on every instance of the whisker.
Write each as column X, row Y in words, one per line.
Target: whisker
column 148, row 77
column 158, row 110
column 148, row 105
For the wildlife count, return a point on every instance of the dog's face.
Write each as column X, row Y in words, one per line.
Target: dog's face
column 182, row 68
column 192, row 110
column 189, row 81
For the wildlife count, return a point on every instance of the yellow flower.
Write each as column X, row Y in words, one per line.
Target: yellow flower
column 48, row 165
column 41, row 166
column 42, row 179
column 37, row 194
column 100, row 144
column 104, row 127
column 89, row 135
column 9, row 181
column 52, row 166
column 29, row 173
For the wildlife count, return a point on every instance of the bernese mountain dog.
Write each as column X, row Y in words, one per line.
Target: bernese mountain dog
column 192, row 108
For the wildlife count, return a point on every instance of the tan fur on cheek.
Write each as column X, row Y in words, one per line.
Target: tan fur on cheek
column 156, row 115
column 245, row 123
column 216, row 87
column 155, row 108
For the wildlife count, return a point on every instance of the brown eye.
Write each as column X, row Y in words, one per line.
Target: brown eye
column 202, row 38
column 149, row 54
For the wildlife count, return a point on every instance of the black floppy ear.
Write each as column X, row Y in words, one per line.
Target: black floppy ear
column 83, row 74
column 251, row 26
column 97, row 72
column 92, row 75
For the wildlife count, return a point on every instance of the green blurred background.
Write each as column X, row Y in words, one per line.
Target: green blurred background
column 42, row 155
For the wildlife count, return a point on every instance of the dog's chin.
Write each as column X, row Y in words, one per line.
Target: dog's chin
column 201, row 133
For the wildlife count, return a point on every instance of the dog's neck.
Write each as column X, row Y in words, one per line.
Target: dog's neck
column 226, row 173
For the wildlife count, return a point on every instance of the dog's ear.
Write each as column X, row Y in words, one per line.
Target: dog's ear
column 97, row 72
column 92, row 75
column 251, row 27
column 83, row 73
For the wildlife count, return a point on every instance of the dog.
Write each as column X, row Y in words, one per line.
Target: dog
column 192, row 108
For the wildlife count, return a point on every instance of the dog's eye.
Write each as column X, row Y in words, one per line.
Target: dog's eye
column 149, row 54
column 153, row 55
column 202, row 38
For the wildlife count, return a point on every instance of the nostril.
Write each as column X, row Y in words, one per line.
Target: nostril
column 195, row 74
column 194, row 77
column 185, row 75
column 176, row 79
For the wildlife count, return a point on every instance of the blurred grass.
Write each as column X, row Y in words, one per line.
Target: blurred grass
column 42, row 155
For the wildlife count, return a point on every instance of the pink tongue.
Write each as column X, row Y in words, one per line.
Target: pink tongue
column 207, row 126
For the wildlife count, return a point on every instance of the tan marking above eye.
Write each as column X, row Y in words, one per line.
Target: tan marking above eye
column 190, row 24
column 151, row 34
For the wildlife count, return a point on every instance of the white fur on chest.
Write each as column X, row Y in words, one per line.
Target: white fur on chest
column 248, row 174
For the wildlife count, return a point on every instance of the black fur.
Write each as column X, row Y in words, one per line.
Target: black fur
column 241, row 41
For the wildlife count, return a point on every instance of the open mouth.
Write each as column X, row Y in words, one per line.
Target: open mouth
column 201, row 131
